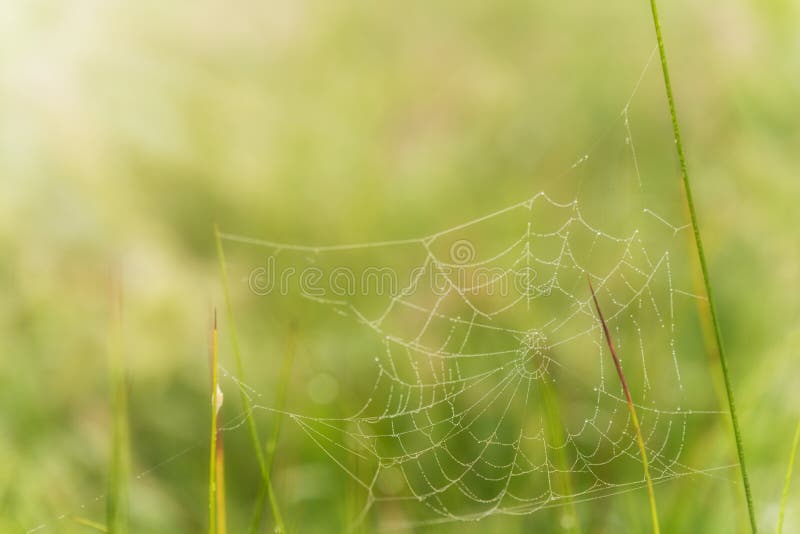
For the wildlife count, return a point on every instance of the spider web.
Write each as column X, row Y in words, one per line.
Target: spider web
column 494, row 390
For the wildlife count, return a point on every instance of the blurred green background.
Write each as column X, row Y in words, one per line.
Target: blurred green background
column 129, row 128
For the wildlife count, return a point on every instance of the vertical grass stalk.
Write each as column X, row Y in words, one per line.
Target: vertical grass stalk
column 215, row 405
column 220, row 480
column 220, row 471
column 117, row 501
column 237, row 356
column 703, row 266
column 556, row 435
column 788, row 478
column 632, row 409
column 266, row 491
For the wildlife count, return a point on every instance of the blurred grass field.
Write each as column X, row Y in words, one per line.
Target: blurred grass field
column 129, row 129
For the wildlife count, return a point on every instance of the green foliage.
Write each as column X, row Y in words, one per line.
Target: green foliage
column 129, row 128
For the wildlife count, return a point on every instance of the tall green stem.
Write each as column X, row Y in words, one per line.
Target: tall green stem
column 266, row 490
column 212, row 471
column 117, row 501
column 703, row 266
column 788, row 479
column 251, row 424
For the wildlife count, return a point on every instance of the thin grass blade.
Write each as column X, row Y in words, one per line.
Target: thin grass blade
column 266, row 491
column 216, row 402
column 117, row 500
column 554, row 428
column 632, row 409
column 788, row 478
column 220, row 476
column 687, row 190
column 99, row 527
column 237, row 356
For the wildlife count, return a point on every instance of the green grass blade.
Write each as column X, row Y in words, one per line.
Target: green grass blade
column 220, row 479
column 266, row 487
column 215, row 404
column 632, row 409
column 251, row 424
column 99, row 527
column 703, row 266
column 556, row 435
column 788, row 478
column 117, row 501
